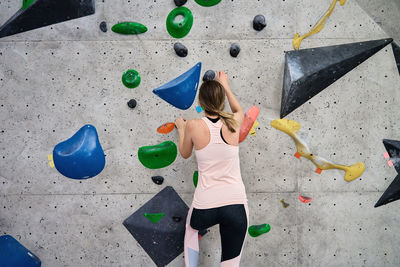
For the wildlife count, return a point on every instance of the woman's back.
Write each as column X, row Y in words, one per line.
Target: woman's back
column 220, row 182
column 220, row 196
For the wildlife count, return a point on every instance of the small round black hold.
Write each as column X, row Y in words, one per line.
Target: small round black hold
column 177, row 218
column 157, row 179
column 235, row 49
column 103, row 26
column 132, row 103
column 209, row 75
column 180, row 2
column 180, row 50
column 259, row 22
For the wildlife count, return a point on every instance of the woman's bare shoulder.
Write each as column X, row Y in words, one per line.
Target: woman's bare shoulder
column 194, row 123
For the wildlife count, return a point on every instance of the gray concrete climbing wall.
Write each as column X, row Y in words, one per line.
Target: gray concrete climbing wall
column 55, row 79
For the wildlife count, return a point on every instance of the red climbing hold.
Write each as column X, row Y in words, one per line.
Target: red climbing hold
column 297, row 155
column 305, row 199
column 318, row 170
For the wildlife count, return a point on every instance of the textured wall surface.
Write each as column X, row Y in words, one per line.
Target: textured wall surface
column 385, row 13
column 55, row 79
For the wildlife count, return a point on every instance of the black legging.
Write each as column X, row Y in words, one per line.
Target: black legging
column 232, row 220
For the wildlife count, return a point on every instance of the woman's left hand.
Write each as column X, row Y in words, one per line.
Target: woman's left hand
column 180, row 124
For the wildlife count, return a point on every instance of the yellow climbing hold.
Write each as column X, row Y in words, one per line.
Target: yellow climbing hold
column 253, row 128
column 318, row 26
column 290, row 127
column 50, row 159
column 284, row 204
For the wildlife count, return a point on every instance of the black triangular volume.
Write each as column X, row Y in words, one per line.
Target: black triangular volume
column 396, row 53
column 393, row 149
column 162, row 241
column 309, row 71
column 46, row 12
column 391, row 194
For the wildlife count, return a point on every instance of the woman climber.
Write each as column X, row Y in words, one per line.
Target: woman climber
column 220, row 195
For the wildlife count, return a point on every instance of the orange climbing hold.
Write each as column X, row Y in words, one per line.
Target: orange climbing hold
column 305, row 199
column 166, row 128
column 249, row 119
column 318, row 170
column 297, row 155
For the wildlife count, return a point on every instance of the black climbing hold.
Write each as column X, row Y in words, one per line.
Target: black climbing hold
column 103, row 26
column 209, row 75
column 392, row 193
column 393, row 149
column 180, row 50
column 46, row 12
column 162, row 241
column 396, row 53
column 259, row 22
column 132, row 103
column 235, row 49
column 180, row 2
column 177, row 218
column 157, row 179
column 309, row 71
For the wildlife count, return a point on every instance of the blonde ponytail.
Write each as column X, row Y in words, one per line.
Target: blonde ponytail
column 228, row 119
column 212, row 100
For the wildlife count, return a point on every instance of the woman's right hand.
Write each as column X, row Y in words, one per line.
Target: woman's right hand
column 223, row 79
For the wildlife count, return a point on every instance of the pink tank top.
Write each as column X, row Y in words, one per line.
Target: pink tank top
column 220, row 182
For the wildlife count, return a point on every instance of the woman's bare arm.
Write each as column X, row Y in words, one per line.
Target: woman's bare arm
column 185, row 145
column 234, row 104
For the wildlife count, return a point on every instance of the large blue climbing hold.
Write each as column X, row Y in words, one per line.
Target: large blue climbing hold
column 13, row 254
column 181, row 91
column 81, row 156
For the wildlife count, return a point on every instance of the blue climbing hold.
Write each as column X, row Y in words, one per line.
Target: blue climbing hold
column 12, row 254
column 181, row 91
column 81, row 156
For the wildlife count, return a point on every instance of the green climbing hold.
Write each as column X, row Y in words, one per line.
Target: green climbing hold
column 207, row 2
column 154, row 217
column 27, row 3
column 195, row 178
column 131, row 78
column 129, row 28
column 180, row 28
column 256, row 230
column 158, row 156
